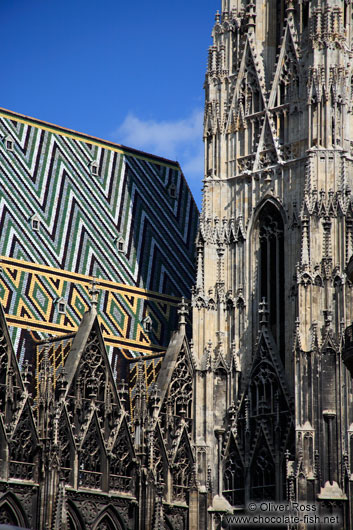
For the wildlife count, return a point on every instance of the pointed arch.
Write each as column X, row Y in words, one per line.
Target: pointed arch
column 67, row 446
column 233, row 474
column 122, row 466
column 182, row 467
column 268, row 240
column 74, row 518
column 176, row 383
column 160, row 462
column 265, row 419
column 285, row 85
column 268, row 198
column 23, row 446
column 92, row 456
column 108, row 519
column 11, row 511
column 262, row 472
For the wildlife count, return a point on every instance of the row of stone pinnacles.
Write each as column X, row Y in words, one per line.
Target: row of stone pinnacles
column 76, row 455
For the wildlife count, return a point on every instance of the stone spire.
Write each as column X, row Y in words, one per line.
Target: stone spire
column 278, row 163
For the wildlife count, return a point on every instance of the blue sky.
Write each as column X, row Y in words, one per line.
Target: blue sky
column 131, row 72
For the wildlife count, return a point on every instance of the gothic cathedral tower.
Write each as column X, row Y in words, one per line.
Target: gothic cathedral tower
column 273, row 407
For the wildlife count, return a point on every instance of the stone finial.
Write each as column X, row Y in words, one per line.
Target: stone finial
column 182, row 312
column 263, row 312
column 93, row 291
column 61, row 383
column 123, row 391
column 154, row 399
column 290, row 9
column 26, row 374
column 327, row 317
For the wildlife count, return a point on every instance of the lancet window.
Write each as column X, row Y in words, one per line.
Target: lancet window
column 264, row 391
column 182, row 473
column 92, row 370
column 271, row 267
column 8, row 515
column 22, row 448
column 263, row 475
column 178, row 401
column 233, row 477
column 122, row 467
column 90, row 474
column 65, row 449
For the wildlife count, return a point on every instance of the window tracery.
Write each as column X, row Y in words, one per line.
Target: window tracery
column 91, row 461
column 122, row 466
column 92, row 381
column 271, row 268
column 178, row 400
column 159, row 465
column 92, row 370
column 181, row 471
column 22, row 448
column 264, row 389
column 233, row 478
column 288, row 87
column 263, row 476
column 65, row 448
column 250, row 96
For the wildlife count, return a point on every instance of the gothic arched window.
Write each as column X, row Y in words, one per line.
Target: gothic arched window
column 271, row 267
column 233, row 477
column 74, row 518
column 263, row 475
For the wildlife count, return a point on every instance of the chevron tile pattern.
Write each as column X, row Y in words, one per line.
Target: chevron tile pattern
column 72, row 208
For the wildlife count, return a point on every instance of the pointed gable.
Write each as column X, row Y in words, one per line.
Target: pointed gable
column 92, row 456
column 263, row 471
column 11, row 385
column 23, row 444
column 249, row 87
column 89, row 375
column 88, row 358
column 159, row 458
column 267, row 366
column 264, row 420
column 175, row 380
column 233, row 473
column 182, row 466
column 122, row 464
column 18, row 429
column 67, row 445
column 286, row 81
column 267, row 149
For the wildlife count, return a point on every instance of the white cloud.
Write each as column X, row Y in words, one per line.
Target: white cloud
column 179, row 140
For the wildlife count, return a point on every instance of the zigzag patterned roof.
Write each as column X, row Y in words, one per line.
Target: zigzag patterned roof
column 63, row 223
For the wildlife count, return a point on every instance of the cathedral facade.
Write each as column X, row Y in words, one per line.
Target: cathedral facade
column 256, row 406
column 273, row 296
